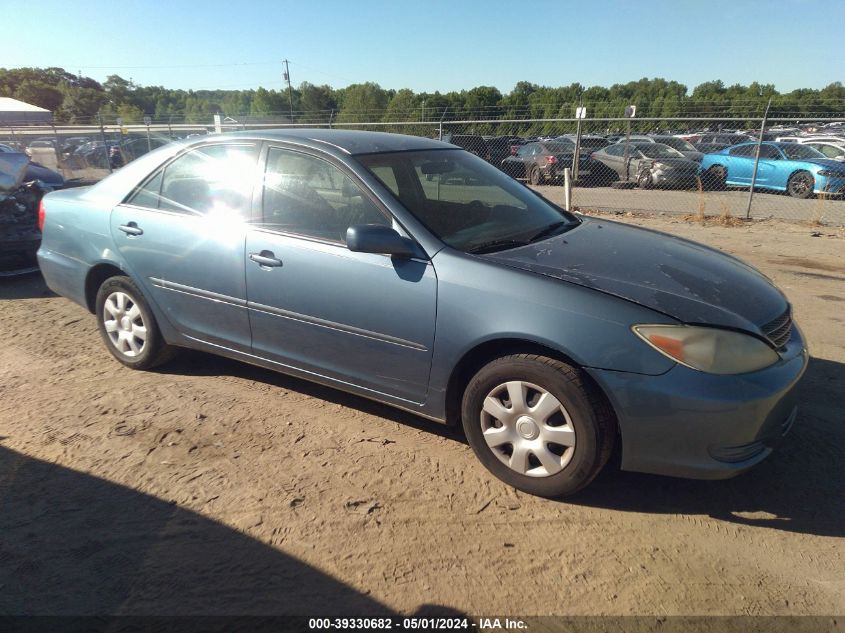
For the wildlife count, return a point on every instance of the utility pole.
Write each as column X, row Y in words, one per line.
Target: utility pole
column 290, row 90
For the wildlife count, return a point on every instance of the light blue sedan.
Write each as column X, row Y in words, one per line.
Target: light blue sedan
column 797, row 169
column 414, row 273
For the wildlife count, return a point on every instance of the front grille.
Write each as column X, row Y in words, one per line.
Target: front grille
column 779, row 330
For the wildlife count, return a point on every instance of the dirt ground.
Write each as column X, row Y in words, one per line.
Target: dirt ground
column 215, row 487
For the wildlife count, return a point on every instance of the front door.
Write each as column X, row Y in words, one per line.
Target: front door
column 359, row 318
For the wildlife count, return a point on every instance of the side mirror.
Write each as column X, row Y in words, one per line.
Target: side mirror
column 376, row 238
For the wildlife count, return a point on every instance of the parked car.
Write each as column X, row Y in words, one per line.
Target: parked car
column 836, row 151
column 328, row 255
column 797, row 169
column 19, row 199
column 589, row 142
column 674, row 142
column 544, row 161
column 472, row 143
column 649, row 164
column 500, row 147
column 700, row 140
column 36, row 171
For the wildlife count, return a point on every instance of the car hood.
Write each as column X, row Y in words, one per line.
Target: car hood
column 827, row 163
column 687, row 281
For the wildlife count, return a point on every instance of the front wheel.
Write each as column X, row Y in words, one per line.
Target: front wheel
column 535, row 177
column 128, row 326
column 535, row 425
column 801, row 184
column 645, row 180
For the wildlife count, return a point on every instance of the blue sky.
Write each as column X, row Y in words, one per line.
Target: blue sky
column 429, row 45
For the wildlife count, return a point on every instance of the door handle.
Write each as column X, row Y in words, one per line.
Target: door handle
column 131, row 229
column 266, row 258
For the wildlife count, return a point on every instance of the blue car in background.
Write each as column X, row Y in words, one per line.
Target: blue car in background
column 797, row 169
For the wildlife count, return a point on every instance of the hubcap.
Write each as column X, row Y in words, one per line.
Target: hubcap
column 124, row 324
column 527, row 429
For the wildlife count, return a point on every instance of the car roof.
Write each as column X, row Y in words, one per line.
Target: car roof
column 347, row 141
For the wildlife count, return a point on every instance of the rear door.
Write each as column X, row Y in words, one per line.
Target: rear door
column 740, row 164
column 181, row 234
column 359, row 318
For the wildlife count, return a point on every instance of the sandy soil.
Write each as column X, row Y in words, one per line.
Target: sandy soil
column 215, row 487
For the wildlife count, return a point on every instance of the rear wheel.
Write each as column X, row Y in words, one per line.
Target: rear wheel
column 128, row 326
column 535, row 177
column 535, row 425
column 801, row 184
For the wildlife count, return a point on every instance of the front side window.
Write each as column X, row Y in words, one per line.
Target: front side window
column 213, row 180
column 309, row 196
column 466, row 202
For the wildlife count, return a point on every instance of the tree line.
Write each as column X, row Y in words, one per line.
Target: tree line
column 75, row 99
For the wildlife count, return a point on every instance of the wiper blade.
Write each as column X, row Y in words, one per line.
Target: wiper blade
column 549, row 230
column 496, row 245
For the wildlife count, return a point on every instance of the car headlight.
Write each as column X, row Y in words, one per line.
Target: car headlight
column 709, row 349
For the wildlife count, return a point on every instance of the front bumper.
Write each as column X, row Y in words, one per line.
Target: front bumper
column 687, row 423
column 674, row 177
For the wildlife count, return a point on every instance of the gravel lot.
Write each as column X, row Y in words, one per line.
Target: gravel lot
column 215, row 487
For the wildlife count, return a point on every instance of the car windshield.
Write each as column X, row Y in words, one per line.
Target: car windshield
column 466, row 202
column 677, row 143
column 796, row 151
column 658, row 150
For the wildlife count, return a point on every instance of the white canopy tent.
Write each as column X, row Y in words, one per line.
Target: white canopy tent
column 14, row 112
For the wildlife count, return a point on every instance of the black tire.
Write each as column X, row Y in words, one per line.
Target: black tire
column 534, row 176
column 801, row 184
column 645, row 180
column 589, row 416
column 716, row 177
column 153, row 350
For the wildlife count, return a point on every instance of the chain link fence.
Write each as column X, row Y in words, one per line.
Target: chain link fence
column 731, row 167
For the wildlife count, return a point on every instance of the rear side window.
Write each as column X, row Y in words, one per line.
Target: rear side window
column 744, row 151
column 216, row 179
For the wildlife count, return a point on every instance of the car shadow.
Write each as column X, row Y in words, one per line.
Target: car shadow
column 195, row 363
column 74, row 544
column 28, row 286
column 799, row 488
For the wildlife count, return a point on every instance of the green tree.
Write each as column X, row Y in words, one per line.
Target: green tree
column 362, row 102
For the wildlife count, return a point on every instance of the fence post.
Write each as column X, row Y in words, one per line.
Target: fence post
column 567, row 190
column 105, row 145
column 757, row 160
column 576, row 156
column 331, row 117
column 440, row 129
